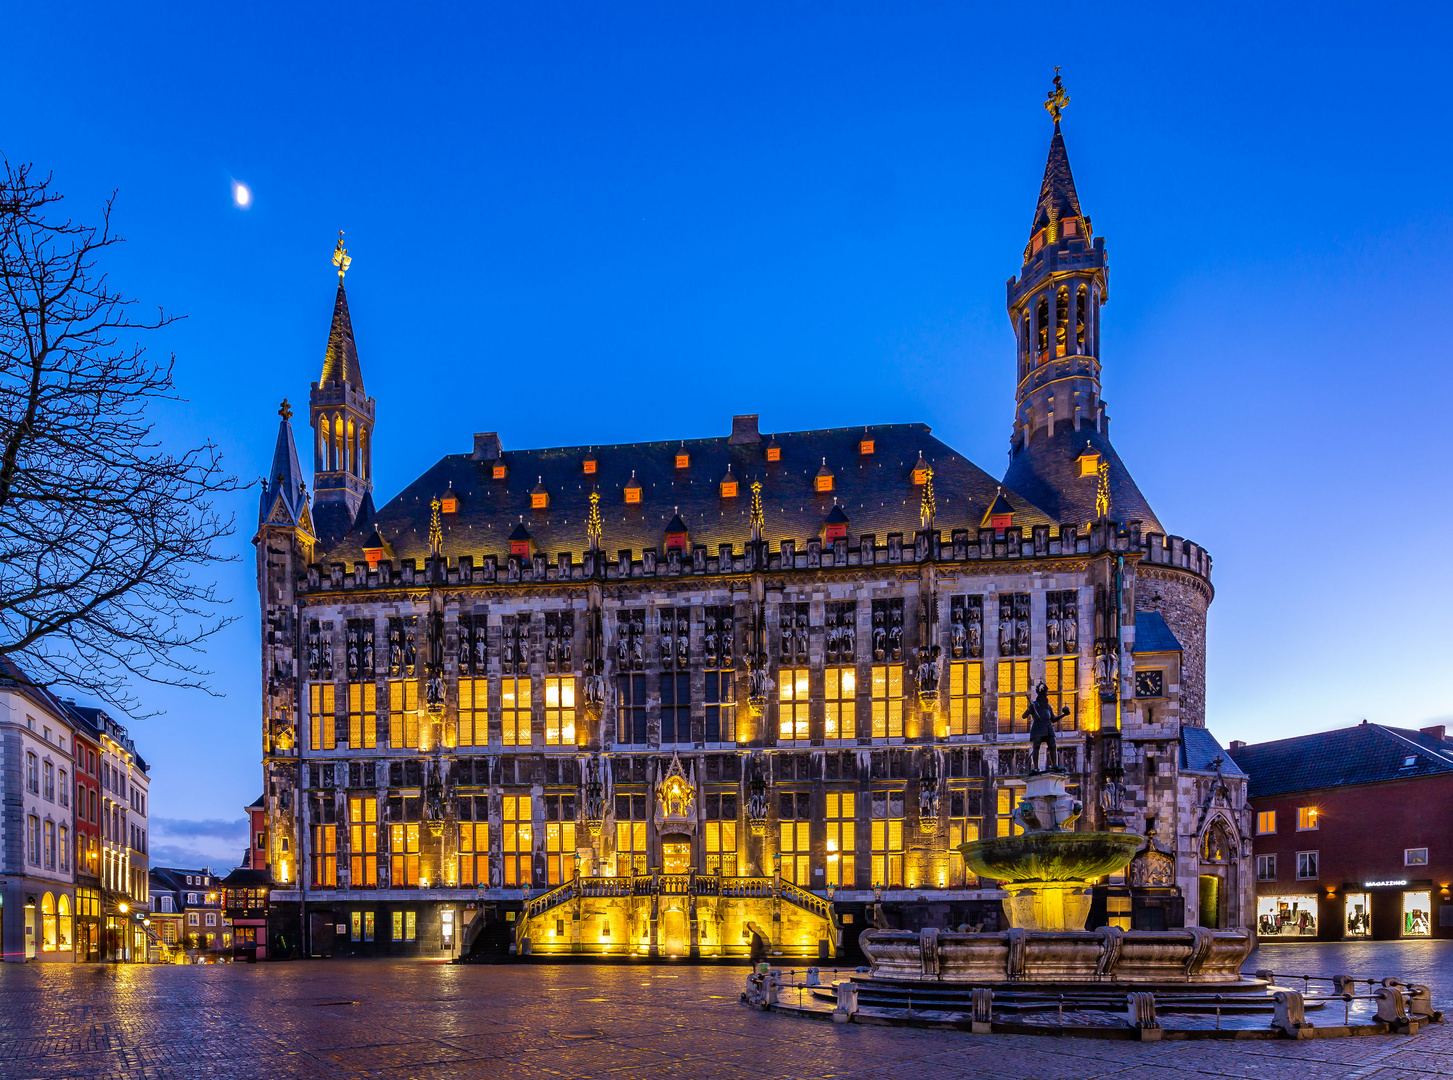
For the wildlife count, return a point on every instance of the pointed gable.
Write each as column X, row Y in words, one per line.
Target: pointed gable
column 340, row 360
column 285, row 476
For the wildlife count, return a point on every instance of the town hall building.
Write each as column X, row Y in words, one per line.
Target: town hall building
column 734, row 694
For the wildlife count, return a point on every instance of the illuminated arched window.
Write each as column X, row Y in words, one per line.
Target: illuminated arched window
column 1061, row 322
column 1042, row 322
column 47, row 923
column 320, row 452
column 1217, row 846
column 63, row 923
column 1082, row 323
column 362, row 454
column 352, row 448
column 340, row 450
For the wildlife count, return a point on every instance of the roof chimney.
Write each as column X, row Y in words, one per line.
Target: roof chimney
column 487, row 447
column 1436, row 731
column 1237, row 744
column 744, row 431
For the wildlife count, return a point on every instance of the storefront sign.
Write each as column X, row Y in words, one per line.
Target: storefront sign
column 1383, row 884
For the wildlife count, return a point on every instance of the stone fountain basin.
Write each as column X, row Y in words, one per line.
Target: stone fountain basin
column 1051, row 856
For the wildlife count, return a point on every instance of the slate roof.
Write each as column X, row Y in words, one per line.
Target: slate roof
column 875, row 491
column 246, row 878
column 1047, row 472
column 1364, row 754
column 285, row 477
column 1057, row 190
column 1153, row 635
column 340, row 360
column 1200, row 751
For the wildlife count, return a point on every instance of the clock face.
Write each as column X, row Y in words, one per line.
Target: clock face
column 1150, row 684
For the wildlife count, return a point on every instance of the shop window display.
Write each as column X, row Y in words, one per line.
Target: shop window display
column 1359, row 915
column 1286, row 916
column 1417, row 919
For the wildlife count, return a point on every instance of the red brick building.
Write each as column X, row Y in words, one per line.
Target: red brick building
column 86, row 742
column 1353, row 833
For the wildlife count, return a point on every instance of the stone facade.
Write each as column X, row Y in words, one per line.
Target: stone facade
column 742, row 729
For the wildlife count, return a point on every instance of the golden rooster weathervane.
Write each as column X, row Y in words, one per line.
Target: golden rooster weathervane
column 341, row 258
column 1055, row 103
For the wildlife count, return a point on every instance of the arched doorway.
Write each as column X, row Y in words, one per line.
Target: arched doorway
column 1217, row 894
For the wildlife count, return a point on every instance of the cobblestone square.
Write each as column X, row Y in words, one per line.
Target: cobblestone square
column 404, row 1020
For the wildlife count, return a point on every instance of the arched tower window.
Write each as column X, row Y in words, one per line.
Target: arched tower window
column 320, row 452
column 352, row 447
column 340, row 460
column 1062, row 307
column 363, row 453
column 1042, row 322
column 1082, row 322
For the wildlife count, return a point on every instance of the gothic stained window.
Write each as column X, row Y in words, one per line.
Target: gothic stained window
column 631, row 641
column 966, row 697
column 362, row 715
column 675, row 707
column 630, row 834
column 631, row 709
column 1013, row 696
column 559, row 642
column 322, row 724
column 888, row 630
column 559, row 710
column 841, row 632
column 719, row 639
column 887, row 838
column 559, row 838
column 515, row 644
column 1061, row 622
column 474, row 840
column 1014, row 624
column 792, row 637
column 841, row 839
column 840, row 702
column 792, row 703
column 473, row 712
column 721, row 833
column 887, row 701
column 675, row 643
column 794, row 821
column 515, row 708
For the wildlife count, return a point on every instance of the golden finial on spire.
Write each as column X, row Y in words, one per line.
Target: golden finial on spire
column 758, row 518
column 592, row 522
column 285, row 410
column 1055, row 103
column 1102, row 491
column 436, row 529
column 341, row 258
column 928, row 507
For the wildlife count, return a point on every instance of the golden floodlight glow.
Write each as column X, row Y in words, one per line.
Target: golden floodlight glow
column 241, row 195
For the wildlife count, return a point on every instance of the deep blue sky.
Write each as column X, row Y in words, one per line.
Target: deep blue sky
column 574, row 225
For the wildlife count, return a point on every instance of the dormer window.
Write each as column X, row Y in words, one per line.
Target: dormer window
column 920, row 470
column 375, row 549
column 774, row 452
column 836, row 525
column 540, row 497
column 633, row 489
column 729, row 485
column 1000, row 515
column 1089, row 461
column 589, row 464
column 823, row 480
column 500, row 471
column 683, row 459
column 676, row 534
column 521, row 543
column 449, row 503
column 865, row 445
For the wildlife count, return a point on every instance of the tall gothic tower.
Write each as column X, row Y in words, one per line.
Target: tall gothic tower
column 341, row 415
column 1061, row 429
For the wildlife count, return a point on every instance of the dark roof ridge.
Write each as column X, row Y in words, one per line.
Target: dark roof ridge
column 597, row 448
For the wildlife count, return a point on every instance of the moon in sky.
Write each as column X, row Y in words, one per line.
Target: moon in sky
column 241, row 195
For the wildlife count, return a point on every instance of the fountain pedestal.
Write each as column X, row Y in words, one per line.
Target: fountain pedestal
column 1047, row 869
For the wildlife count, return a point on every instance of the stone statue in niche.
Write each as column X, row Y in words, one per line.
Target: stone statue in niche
column 368, row 650
column 638, row 653
column 1042, row 718
column 668, row 645
column 395, row 649
column 480, row 649
column 623, row 646
column 880, row 637
column 928, row 671
column 1070, row 633
column 683, row 645
column 801, row 638
column 958, row 635
column 466, row 654
column 709, row 642
column 1006, row 637
column 352, row 654
column 1051, row 632
column 567, row 645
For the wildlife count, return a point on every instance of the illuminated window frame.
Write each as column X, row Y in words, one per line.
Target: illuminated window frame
column 842, row 830
column 362, row 716
column 887, row 701
column 362, row 841
column 1265, row 822
column 793, row 694
column 559, row 851
column 473, row 727
column 1307, row 819
column 559, row 710
column 966, row 697
column 517, row 846
column 887, row 851
column 404, row 855
column 321, row 704
column 1013, row 696
column 515, row 698
column 840, row 702
column 325, row 856
column 403, row 714
column 474, row 853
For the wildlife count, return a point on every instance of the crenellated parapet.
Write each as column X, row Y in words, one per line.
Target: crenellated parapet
column 925, row 547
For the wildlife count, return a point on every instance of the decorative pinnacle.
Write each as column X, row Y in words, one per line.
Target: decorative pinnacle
column 1055, row 103
column 592, row 522
column 928, row 506
column 343, row 260
column 285, row 410
column 1102, row 491
column 436, row 529
column 758, row 518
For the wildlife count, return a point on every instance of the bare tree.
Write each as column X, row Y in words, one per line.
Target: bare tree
column 107, row 541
